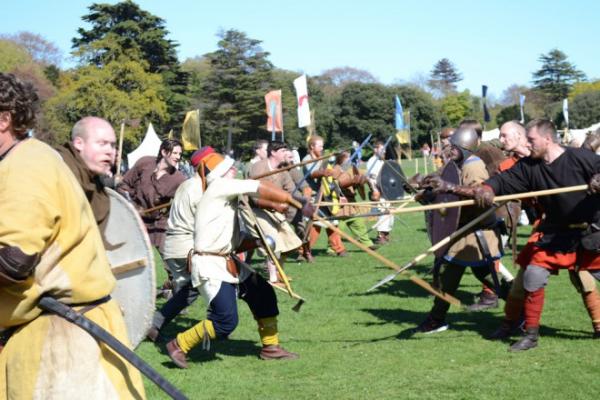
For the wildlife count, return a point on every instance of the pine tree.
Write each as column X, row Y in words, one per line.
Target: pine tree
column 240, row 76
column 444, row 77
column 556, row 76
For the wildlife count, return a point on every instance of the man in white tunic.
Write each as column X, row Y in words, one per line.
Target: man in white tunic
column 214, row 271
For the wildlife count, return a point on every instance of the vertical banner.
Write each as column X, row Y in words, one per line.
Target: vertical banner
column 402, row 123
column 486, row 113
column 522, row 104
column 190, row 134
column 302, row 96
column 274, row 115
column 566, row 112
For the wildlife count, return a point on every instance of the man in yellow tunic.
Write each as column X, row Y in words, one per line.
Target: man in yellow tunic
column 50, row 245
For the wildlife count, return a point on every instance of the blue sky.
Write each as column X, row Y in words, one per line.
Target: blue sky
column 491, row 42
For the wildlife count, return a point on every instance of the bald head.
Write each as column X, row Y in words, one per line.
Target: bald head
column 512, row 136
column 95, row 140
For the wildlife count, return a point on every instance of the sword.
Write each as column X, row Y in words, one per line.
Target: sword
column 97, row 332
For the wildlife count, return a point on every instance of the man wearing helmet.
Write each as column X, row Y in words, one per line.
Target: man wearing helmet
column 477, row 249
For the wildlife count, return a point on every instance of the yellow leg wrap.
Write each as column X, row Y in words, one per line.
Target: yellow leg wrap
column 267, row 329
column 200, row 332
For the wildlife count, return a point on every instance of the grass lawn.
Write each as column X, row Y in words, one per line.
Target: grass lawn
column 354, row 345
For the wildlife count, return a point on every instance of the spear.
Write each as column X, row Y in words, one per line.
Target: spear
column 461, row 203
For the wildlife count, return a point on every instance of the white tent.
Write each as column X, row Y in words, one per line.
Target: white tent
column 149, row 147
column 489, row 135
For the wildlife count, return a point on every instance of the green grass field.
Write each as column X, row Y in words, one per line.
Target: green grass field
column 354, row 345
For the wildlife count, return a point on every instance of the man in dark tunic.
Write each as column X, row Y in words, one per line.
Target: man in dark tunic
column 568, row 236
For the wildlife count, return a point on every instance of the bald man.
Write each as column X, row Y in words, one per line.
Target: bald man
column 514, row 141
column 90, row 155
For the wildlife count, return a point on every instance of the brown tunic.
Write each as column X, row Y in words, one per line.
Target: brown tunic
column 146, row 191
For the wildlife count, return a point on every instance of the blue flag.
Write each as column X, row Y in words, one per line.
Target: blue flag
column 399, row 115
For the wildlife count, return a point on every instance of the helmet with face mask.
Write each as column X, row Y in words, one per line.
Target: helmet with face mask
column 466, row 140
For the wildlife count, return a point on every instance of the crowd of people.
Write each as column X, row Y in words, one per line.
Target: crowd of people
column 209, row 227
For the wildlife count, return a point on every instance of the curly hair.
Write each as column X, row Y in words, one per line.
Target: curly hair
column 20, row 100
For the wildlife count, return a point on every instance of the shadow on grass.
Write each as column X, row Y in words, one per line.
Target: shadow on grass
column 227, row 347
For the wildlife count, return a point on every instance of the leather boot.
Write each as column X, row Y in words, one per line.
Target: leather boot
column 529, row 341
column 383, row 238
column 307, row 253
column 176, row 354
column 505, row 331
column 486, row 300
column 276, row 352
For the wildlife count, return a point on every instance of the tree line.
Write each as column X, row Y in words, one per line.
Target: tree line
column 127, row 69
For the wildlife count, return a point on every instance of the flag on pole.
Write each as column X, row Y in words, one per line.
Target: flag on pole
column 486, row 113
column 402, row 123
column 274, row 120
column 302, row 96
column 522, row 104
column 399, row 114
column 566, row 112
column 190, row 134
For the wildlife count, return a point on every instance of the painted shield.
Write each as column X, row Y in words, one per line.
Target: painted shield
column 443, row 222
column 391, row 180
column 131, row 258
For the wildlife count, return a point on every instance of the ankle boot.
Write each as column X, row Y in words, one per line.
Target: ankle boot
column 486, row 300
column 529, row 341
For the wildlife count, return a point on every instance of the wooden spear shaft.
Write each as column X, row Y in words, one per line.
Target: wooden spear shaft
column 508, row 197
column 120, row 151
column 300, row 164
column 424, row 284
column 438, row 245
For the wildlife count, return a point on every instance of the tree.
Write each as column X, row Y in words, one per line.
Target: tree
column 584, row 110
column 510, row 113
column 511, row 94
column 41, row 51
column 584, row 87
column 12, row 55
column 240, row 76
column 125, row 31
column 444, row 77
column 121, row 89
column 364, row 108
column 457, row 107
column 556, row 76
column 341, row 76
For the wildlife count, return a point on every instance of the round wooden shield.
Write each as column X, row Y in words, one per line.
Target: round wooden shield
column 132, row 262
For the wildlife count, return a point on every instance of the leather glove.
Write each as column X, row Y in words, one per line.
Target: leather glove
column 595, row 184
column 308, row 210
column 437, row 184
column 483, row 196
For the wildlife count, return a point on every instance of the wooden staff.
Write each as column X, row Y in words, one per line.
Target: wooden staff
column 156, row 208
column 438, row 245
column 425, row 285
column 516, row 196
column 367, row 203
column 120, row 152
column 300, row 164
column 273, row 257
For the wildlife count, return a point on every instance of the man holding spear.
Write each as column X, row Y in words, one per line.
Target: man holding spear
column 568, row 236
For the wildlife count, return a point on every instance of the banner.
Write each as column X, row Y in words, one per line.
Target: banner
column 566, row 112
column 399, row 114
column 274, row 116
column 522, row 104
column 486, row 113
column 190, row 134
column 403, row 134
column 302, row 96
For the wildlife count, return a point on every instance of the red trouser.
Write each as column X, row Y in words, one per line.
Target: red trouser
column 335, row 240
